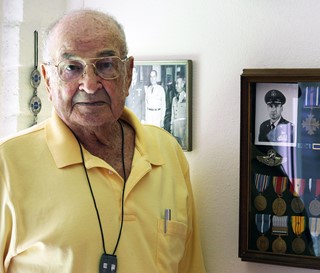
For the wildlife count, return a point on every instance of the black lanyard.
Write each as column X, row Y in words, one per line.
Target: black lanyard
column 108, row 262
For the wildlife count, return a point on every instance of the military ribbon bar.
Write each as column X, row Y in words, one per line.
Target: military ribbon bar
column 297, row 186
column 280, row 184
column 263, row 222
column 298, row 224
column 261, row 181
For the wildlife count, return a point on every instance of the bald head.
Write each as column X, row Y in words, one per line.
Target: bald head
column 84, row 26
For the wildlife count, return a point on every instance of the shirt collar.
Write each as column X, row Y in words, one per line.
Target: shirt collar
column 65, row 149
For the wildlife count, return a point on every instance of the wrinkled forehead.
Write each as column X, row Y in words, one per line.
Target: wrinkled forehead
column 85, row 36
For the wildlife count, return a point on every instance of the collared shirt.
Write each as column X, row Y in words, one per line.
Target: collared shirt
column 48, row 222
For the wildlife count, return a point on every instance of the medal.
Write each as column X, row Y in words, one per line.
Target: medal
column 261, row 182
column 263, row 225
column 314, row 206
column 279, row 206
column 297, row 205
column 298, row 245
column 260, row 202
column 263, row 243
column 279, row 246
column 298, row 225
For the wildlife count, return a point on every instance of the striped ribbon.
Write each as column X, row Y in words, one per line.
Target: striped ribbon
column 261, row 181
column 314, row 186
column 312, row 96
column 280, row 184
column 280, row 225
column 297, row 186
column 263, row 222
column 298, row 224
column 314, row 226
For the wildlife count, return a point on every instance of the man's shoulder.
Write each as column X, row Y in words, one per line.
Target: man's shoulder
column 22, row 136
column 265, row 123
column 284, row 121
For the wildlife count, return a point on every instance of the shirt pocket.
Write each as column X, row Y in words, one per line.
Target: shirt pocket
column 170, row 245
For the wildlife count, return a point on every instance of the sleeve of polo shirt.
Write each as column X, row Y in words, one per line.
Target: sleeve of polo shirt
column 192, row 260
column 5, row 224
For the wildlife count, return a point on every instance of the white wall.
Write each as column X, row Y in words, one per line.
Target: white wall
column 222, row 38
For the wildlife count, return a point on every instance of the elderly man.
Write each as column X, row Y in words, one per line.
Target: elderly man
column 91, row 189
column 275, row 129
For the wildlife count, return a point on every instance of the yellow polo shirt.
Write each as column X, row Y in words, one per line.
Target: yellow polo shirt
column 48, row 222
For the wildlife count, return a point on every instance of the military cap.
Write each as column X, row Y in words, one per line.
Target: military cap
column 275, row 96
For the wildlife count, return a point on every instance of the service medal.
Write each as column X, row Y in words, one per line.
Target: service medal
column 298, row 224
column 261, row 182
column 263, row 243
column 314, row 207
column 263, row 222
column 260, row 202
column 279, row 246
column 279, row 206
column 298, row 245
column 297, row 205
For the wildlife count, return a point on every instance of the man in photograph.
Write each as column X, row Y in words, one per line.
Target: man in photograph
column 136, row 99
column 275, row 129
column 155, row 102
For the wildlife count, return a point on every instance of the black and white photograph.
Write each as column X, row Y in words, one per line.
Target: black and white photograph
column 160, row 95
column 276, row 114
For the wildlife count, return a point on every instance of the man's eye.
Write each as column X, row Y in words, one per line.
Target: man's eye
column 72, row 67
column 104, row 65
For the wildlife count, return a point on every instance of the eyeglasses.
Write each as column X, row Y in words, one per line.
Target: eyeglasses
column 108, row 68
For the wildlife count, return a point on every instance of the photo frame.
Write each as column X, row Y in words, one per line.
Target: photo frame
column 160, row 95
column 279, row 210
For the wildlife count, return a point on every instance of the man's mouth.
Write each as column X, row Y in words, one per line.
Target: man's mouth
column 93, row 103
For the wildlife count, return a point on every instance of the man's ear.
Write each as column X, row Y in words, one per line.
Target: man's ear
column 46, row 79
column 129, row 67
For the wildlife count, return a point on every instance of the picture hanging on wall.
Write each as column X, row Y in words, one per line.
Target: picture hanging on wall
column 280, row 167
column 160, row 95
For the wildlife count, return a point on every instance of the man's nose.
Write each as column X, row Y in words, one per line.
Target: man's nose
column 90, row 80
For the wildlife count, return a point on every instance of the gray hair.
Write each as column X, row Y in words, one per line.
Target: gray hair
column 104, row 17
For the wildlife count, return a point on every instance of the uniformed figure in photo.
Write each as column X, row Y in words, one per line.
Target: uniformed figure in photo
column 275, row 129
column 136, row 99
column 155, row 102
column 179, row 113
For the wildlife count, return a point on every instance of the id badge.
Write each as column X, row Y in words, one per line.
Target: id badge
column 108, row 263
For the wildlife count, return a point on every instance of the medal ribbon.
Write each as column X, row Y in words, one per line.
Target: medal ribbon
column 280, row 184
column 297, row 186
column 314, row 187
column 280, row 225
column 263, row 222
column 314, row 226
column 261, row 181
column 312, row 97
column 298, row 224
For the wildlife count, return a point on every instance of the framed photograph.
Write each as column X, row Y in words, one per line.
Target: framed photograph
column 160, row 95
column 279, row 209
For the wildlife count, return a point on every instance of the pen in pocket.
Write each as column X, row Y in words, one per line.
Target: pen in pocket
column 167, row 217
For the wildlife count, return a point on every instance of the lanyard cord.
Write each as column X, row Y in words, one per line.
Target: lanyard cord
column 122, row 199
